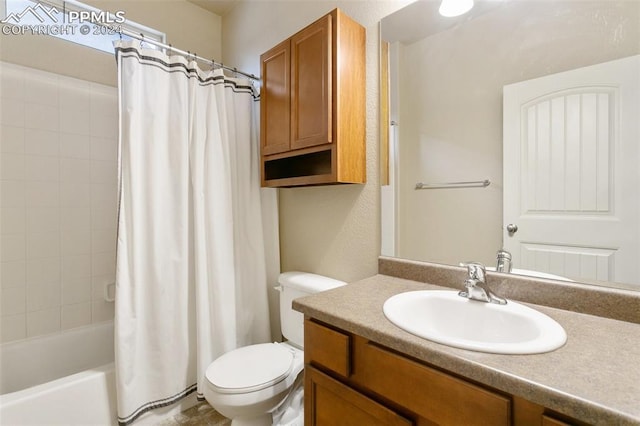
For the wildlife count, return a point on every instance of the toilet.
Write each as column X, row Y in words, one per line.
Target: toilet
column 249, row 384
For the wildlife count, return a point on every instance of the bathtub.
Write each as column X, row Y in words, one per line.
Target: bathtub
column 66, row 379
column 62, row 379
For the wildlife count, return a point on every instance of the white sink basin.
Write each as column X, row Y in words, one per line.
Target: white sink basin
column 445, row 317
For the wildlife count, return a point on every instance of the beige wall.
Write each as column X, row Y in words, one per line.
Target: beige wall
column 187, row 26
column 331, row 230
column 451, row 112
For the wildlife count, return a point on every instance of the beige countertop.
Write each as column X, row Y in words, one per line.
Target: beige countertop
column 594, row 377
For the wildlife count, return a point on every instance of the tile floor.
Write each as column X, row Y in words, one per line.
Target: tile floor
column 201, row 414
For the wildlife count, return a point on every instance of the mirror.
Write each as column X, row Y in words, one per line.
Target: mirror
column 471, row 99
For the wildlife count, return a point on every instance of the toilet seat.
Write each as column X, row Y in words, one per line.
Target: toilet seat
column 250, row 368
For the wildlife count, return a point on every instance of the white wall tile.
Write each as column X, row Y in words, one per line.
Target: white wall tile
column 75, row 218
column 13, row 327
column 76, row 290
column 104, row 149
column 98, row 284
column 12, row 194
column 103, row 263
column 13, row 247
column 41, row 142
column 76, row 315
column 76, row 267
column 39, row 168
column 75, row 194
column 75, row 94
column 102, row 311
column 13, row 300
column 104, row 101
column 11, row 81
column 104, row 217
column 104, row 172
column 76, row 121
column 58, row 201
column 43, row 245
column 43, row 219
column 103, row 240
column 75, row 170
column 43, row 322
column 12, row 220
column 12, row 166
column 43, row 296
column 42, row 89
column 43, row 117
column 76, row 242
column 12, row 139
column 103, row 195
column 13, row 274
column 104, row 126
column 75, row 146
column 12, row 112
column 43, row 271
column 42, row 194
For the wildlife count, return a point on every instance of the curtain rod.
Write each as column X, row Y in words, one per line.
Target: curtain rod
column 168, row 47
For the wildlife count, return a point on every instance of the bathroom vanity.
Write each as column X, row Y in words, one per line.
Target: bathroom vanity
column 361, row 369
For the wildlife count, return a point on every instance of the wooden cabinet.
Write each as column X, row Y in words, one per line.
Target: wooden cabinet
column 312, row 106
column 347, row 376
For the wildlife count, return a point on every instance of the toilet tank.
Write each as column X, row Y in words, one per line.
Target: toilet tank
column 292, row 286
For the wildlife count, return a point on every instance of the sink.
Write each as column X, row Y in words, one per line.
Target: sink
column 444, row 317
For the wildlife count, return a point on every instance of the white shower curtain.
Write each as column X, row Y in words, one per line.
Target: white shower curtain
column 190, row 274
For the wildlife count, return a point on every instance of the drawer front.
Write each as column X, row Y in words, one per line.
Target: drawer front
column 326, row 347
column 432, row 394
column 329, row 403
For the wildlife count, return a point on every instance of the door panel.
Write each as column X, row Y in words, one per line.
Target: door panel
column 571, row 172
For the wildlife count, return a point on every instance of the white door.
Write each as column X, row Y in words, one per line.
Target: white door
column 571, row 172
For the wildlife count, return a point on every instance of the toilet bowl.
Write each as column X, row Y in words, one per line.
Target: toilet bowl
column 248, row 384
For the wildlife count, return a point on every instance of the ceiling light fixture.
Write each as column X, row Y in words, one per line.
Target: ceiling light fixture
column 451, row 8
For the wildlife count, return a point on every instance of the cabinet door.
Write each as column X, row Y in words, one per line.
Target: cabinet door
column 275, row 105
column 311, row 85
column 329, row 402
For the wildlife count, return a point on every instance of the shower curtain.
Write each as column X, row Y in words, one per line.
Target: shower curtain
column 190, row 274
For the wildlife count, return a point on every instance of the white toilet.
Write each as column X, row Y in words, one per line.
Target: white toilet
column 248, row 384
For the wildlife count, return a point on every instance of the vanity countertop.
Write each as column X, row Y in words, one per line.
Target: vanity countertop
column 594, row 377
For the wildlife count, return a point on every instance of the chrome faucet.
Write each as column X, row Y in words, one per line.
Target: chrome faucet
column 504, row 261
column 476, row 285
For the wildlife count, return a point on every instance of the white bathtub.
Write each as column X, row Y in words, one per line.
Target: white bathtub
column 77, row 369
column 82, row 399
column 62, row 379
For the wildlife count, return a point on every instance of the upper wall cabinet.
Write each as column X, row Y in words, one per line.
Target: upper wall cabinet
column 312, row 103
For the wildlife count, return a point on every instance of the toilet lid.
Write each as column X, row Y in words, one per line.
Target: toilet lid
column 250, row 368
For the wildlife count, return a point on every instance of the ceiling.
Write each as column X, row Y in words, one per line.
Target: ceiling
column 219, row 7
column 421, row 19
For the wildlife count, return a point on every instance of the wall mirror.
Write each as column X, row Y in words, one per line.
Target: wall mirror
column 535, row 103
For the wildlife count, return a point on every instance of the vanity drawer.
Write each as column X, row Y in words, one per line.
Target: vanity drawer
column 326, row 347
column 430, row 393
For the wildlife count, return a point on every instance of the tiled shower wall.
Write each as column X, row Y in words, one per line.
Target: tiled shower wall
column 58, row 170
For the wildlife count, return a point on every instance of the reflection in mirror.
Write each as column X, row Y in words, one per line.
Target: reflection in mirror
column 541, row 99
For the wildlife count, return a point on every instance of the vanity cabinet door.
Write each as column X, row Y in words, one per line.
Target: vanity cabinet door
column 328, row 402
